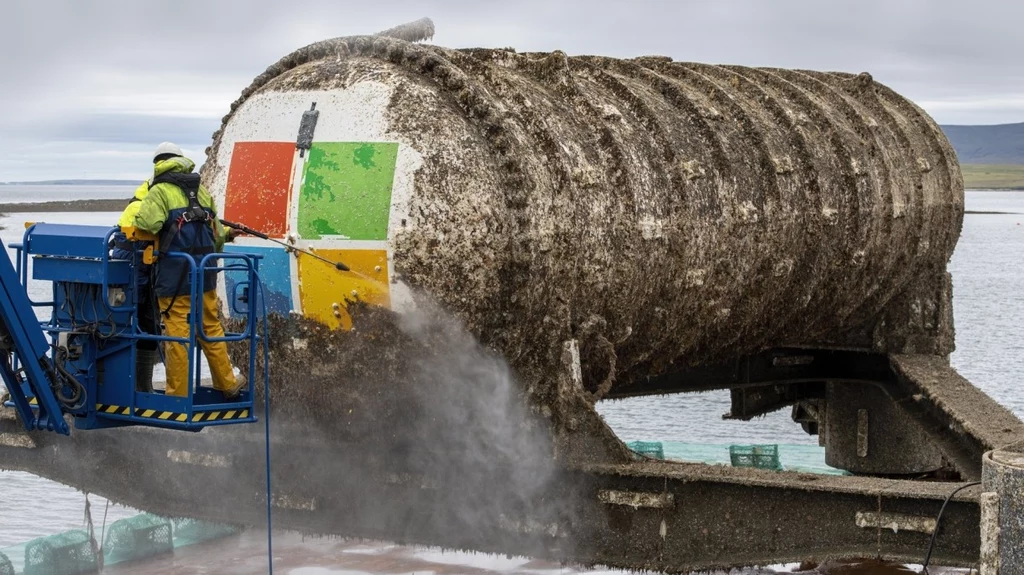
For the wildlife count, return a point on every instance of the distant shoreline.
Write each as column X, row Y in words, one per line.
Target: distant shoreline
column 993, row 177
column 74, row 183
column 111, row 205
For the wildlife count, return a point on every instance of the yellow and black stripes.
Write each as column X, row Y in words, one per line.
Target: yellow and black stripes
column 220, row 415
column 162, row 415
column 113, row 409
column 202, row 416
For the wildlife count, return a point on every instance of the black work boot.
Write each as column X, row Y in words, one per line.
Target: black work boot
column 145, row 359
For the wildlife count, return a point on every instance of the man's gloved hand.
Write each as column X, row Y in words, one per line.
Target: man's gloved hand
column 231, row 234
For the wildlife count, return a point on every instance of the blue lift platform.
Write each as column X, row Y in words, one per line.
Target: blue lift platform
column 79, row 363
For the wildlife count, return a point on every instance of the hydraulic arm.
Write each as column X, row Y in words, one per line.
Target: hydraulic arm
column 36, row 390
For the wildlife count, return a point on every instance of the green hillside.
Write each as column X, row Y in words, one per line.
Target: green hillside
column 991, row 157
column 993, row 176
column 996, row 144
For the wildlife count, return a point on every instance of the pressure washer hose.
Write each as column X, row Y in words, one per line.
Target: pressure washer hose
column 246, row 229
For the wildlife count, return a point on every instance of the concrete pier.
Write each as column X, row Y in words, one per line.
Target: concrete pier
column 1002, row 512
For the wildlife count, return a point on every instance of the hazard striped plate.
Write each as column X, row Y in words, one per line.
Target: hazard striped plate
column 174, row 415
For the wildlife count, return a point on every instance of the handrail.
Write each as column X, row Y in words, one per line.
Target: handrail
column 128, row 330
column 251, row 268
column 23, row 266
column 197, row 276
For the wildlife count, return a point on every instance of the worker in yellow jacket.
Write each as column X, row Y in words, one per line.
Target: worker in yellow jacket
column 181, row 213
column 147, row 316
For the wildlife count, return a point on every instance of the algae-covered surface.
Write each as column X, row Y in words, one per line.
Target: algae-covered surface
column 661, row 213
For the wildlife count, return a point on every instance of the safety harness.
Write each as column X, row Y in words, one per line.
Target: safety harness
column 189, row 184
column 194, row 214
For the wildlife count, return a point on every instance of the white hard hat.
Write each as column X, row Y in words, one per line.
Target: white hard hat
column 167, row 148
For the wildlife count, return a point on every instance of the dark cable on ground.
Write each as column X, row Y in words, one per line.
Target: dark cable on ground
column 935, row 532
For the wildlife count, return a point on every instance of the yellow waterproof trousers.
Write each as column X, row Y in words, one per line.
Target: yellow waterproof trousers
column 176, row 354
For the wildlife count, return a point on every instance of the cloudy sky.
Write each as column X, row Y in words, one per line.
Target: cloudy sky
column 89, row 87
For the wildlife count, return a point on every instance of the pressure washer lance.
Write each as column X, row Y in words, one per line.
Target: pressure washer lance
column 246, row 229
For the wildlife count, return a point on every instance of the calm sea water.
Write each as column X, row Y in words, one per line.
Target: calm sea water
column 989, row 310
column 10, row 194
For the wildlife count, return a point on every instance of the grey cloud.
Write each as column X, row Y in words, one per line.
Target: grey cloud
column 951, row 54
column 135, row 129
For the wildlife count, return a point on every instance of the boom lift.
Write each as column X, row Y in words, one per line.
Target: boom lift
column 79, row 364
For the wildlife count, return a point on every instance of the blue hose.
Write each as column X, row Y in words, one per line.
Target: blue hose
column 266, row 418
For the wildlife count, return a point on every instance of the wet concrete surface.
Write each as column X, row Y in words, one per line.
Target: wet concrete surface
column 295, row 554
column 298, row 555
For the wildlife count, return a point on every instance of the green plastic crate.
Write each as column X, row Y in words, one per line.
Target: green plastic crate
column 6, row 567
column 648, row 448
column 756, row 456
column 68, row 553
column 137, row 537
column 190, row 531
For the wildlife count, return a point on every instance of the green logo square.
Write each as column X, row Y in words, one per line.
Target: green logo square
column 346, row 190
